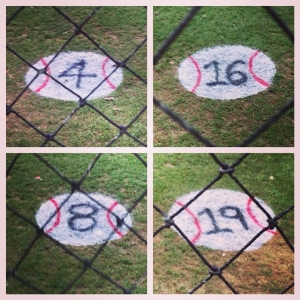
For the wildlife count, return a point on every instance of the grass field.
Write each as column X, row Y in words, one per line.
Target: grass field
column 224, row 123
column 49, row 267
column 38, row 32
column 177, row 268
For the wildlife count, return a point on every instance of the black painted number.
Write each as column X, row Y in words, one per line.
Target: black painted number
column 216, row 229
column 228, row 212
column 79, row 67
column 234, row 77
column 217, row 70
column 82, row 212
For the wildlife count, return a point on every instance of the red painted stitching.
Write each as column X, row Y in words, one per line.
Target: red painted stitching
column 249, row 211
column 58, row 215
column 198, row 72
column 47, row 77
column 196, row 222
column 250, row 65
column 119, row 233
column 104, row 73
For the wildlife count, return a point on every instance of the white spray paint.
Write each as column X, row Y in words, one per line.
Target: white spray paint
column 222, row 219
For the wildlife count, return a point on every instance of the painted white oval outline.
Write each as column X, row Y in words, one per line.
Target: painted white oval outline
column 93, row 221
column 197, row 220
column 210, row 72
column 80, row 72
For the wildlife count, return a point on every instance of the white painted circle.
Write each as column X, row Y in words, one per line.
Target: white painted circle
column 80, row 72
column 226, row 72
column 82, row 221
column 222, row 220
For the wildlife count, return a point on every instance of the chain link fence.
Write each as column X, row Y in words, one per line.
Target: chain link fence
column 75, row 35
column 80, row 241
column 171, row 108
column 183, row 266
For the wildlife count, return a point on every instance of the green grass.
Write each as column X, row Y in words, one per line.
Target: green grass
column 177, row 268
column 224, row 123
column 49, row 267
column 38, row 32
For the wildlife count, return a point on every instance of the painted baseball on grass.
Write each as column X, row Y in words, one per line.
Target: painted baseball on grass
column 82, row 221
column 80, row 74
column 226, row 72
column 222, row 220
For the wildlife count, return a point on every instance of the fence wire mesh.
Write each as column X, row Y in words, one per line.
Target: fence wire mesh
column 41, row 255
column 186, row 110
column 182, row 265
column 117, row 35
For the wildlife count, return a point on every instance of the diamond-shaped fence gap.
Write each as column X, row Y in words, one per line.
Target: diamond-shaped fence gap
column 255, row 260
column 88, row 264
column 127, row 137
column 136, row 57
column 24, row 32
column 14, row 78
column 98, row 33
column 63, row 160
column 46, row 117
column 115, row 107
column 127, row 253
column 50, row 267
column 184, row 118
column 40, row 177
column 118, row 183
column 20, row 283
column 182, row 265
column 23, row 183
column 87, row 123
column 110, row 36
column 16, row 129
column 213, row 285
column 22, row 229
column 257, row 267
column 87, row 286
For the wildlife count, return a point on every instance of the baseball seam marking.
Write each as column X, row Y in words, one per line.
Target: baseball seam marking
column 251, row 215
column 196, row 222
column 250, row 66
column 115, row 228
column 198, row 81
column 104, row 74
column 47, row 77
column 58, row 215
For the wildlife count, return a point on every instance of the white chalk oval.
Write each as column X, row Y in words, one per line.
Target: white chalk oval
column 80, row 72
column 226, row 72
column 82, row 221
column 222, row 220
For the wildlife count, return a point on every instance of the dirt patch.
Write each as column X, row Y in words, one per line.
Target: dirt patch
column 178, row 269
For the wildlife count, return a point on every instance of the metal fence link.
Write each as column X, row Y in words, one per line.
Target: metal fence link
column 98, row 260
column 53, row 137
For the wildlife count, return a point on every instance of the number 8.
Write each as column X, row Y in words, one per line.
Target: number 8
column 77, row 215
